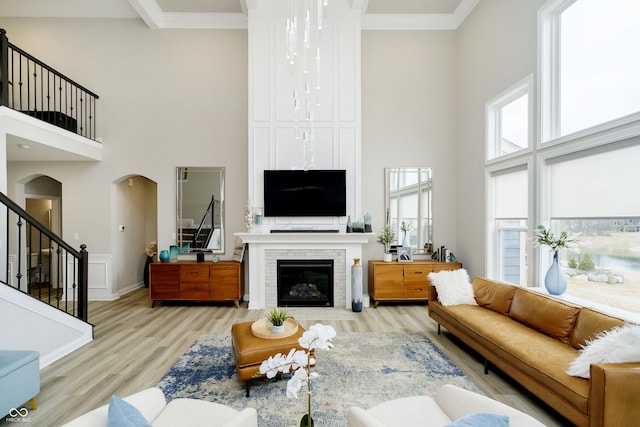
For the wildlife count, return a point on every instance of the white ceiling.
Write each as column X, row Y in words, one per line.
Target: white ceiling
column 377, row 14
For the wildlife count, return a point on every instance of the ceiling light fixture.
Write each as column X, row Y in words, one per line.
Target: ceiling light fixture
column 303, row 31
column 24, row 146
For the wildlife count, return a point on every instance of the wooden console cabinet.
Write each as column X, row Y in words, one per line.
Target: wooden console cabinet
column 403, row 281
column 196, row 281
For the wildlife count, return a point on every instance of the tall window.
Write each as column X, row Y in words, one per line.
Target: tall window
column 508, row 127
column 589, row 64
column 509, row 193
column 593, row 194
column 587, row 159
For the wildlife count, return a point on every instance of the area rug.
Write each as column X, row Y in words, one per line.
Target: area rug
column 363, row 369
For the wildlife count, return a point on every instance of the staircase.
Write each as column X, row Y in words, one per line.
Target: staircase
column 43, row 287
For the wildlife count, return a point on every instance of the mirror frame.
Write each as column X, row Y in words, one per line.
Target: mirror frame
column 425, row 220
column 181, row 175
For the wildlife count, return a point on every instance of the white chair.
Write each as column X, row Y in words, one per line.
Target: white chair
column 450, row 404
column 179, row 412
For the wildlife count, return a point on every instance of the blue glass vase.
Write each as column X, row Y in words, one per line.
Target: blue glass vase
column 555, row 280
column 173, row 253
column 164, row 256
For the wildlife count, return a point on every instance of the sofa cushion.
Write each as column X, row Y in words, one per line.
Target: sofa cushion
column 481, row 419
column 195, row 412
column 544, row 314
column 589, row 324
column 453, row 287
column 621, row 344
column 124, row 414
column 492, row 295
column 406, row 411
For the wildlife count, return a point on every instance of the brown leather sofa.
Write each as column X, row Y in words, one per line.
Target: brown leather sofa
column 533, row 338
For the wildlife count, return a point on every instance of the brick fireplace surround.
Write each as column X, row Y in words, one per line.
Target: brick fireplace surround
column 265, row 249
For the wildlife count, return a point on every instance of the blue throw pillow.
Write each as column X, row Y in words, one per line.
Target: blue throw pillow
column 124, row 414
column 481, row 419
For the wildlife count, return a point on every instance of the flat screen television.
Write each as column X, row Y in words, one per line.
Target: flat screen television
column 305, row 193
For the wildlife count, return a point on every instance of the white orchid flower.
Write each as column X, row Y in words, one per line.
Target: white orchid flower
column 273, row 365
column 299, row 378
column 299, row 362
column 318, row 337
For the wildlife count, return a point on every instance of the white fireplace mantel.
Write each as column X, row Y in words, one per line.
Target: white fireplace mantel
column 349, row 245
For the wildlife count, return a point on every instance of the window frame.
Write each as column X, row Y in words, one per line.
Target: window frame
column 493, row 119
column 493, row 261
column 549, row 59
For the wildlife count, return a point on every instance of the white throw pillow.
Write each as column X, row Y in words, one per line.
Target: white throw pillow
column 453, row 287
column 620, row 344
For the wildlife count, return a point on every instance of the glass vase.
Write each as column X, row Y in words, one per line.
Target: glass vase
column 164, row 256
column 555, row 281
column 173, row 253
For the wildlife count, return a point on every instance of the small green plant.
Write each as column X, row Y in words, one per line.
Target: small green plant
column 586, row 263
column 545, row 237
column 572, row 263
column 406, row 226
column 277, row 316
column 385, row 238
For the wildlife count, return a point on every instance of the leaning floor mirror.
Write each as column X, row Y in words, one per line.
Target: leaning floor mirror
column 408, row 206
column 200, row 209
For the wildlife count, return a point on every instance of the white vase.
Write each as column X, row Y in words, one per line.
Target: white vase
column 387, row 257
column 277, row 329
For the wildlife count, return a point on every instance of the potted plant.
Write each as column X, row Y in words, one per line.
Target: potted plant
column 276, row 316
column 299, row 361
column 555, row 280
column 406, row 227
column 385, row 238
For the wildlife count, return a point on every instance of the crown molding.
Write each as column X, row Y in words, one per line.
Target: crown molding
column 408, row 22
column 155, row 18
column 204, row 21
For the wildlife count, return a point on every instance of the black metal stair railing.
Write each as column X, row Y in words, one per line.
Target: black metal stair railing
column 201, row 240
column 39, row 263
column 32, row 87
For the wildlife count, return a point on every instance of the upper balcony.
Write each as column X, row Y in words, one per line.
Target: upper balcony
column 45, row 115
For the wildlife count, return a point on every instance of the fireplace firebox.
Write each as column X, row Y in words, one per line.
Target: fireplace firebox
column 305, row 283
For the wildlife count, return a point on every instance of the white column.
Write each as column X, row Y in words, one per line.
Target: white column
column 272, row 143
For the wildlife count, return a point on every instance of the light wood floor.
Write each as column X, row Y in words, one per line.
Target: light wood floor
column 135, row 345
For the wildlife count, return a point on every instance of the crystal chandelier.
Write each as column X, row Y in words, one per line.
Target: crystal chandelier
column 303, row 37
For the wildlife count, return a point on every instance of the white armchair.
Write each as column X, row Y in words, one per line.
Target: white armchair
column 450, row 404
column 179, row 412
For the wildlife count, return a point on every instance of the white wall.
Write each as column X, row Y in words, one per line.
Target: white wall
column 496, row 48
column 408, row 119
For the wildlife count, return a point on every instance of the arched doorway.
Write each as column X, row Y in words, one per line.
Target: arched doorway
column 43, row 201
column 136, row 225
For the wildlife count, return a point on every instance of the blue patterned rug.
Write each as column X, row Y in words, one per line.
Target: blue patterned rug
column 363, row 369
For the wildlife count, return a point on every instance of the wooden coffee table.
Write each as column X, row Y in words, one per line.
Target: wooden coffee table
column 249, row 351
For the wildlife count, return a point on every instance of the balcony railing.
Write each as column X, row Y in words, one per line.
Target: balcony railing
column 30, row 86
